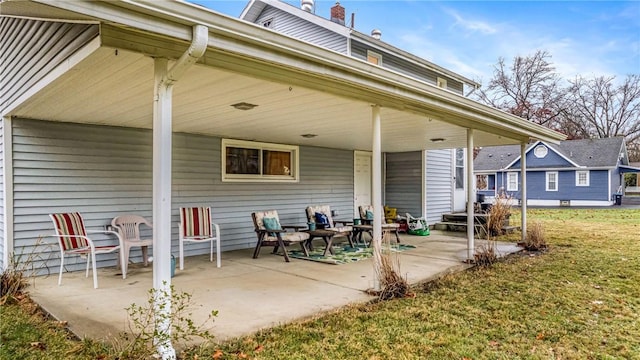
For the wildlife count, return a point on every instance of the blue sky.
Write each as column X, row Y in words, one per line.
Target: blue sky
column 588, row 38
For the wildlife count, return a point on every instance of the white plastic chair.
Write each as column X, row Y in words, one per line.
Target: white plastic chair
column 128, row 226
column 73, row 240
column 196, row 226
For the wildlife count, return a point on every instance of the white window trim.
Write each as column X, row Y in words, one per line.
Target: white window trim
column 295, row 171
column 578, row 177
column 374, row 55
column 540, row 151
column 546, row 180
column 514, row 174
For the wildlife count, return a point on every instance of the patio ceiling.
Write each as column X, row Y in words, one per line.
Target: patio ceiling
column 298, row 89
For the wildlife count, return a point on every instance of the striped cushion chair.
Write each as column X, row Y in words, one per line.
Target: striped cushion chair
column 73, row 240
column 196, row 226
column 271, row 233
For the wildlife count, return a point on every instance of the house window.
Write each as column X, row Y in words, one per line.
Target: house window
column 552, row 180
column 582, row 178
column 482, row 182
column 255, row 161
column 374, row 58
column 486, row 182
column 267, row 23
column 540, row 151
column 459, row 168
column 512, row 181
column 441, row 83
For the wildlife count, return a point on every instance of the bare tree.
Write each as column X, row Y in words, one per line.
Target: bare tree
column 601, row 109
column 530, row 88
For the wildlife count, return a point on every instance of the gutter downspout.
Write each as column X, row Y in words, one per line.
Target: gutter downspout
column 162, row 132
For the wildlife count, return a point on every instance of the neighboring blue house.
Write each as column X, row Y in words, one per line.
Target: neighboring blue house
column 573, row 173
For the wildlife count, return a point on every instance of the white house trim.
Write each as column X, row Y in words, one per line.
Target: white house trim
column 588, row 177
column 547, row 176
column 537, row 202
column 548, row 147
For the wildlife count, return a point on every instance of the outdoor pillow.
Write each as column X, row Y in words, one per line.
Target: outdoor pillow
column 271, row 224
column 369, row 215
column 322, row 219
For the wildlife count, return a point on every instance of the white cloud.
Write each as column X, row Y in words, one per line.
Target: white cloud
column 471, row 25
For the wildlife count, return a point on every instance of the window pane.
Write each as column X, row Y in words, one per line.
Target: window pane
column 243, row 161
column 552, row 181
column 276, row 162
column 482, row 182
column 459, row 178
column 582, row 178
column 512, row 184
column 459, row 157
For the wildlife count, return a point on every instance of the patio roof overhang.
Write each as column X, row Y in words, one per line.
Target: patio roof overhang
column 299, row 88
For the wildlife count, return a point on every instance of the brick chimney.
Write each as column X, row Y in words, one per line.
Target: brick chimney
column 337, row 13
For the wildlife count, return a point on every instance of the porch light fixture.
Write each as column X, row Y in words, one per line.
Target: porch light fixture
column 243, row 106
column 437, row 140
column 308, row 136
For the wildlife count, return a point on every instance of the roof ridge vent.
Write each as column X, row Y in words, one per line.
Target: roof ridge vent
column 308, row 6
column 376, row 34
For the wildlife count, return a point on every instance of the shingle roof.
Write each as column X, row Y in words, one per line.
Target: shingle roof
column 588, row 152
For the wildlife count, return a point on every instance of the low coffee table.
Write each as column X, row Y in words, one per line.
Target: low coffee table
column 327, row 236
column 359, row 229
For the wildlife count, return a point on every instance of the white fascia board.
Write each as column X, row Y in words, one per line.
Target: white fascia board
column 248, row 8
column 175, row 19
column 549, row 147
column 381, row 45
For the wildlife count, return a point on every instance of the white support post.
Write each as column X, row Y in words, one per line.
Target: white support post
column 376, row 159
column 162, row 205
column 523, row 176
column 7, row 153
column 164, row 78
column 470, row 198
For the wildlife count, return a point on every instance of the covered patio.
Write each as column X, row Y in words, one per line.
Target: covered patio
column 250, row 294
column 126, row 110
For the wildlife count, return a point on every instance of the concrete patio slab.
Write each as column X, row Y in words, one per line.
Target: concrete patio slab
column 249, row 294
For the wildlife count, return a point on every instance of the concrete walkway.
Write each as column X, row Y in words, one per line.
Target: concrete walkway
column 250, row 294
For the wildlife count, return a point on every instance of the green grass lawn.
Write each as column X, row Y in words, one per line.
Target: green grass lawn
column 579, row 300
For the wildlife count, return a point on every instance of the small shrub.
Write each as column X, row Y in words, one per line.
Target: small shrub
column 14, row 279
column 535, row 240
column 392, row 284
column 143, row 325
column 498, row 215
column 486, row 255
column 12, row 282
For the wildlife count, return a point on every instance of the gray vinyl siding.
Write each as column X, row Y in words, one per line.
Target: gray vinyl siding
column 41, row 47
column 104, row 171
column 403, row 182
column 2, row 196
column 439, row 173
column 409, row 68
column 296, row 27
